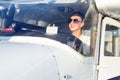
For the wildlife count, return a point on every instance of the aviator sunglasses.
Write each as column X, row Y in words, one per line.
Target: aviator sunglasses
column 74, row 21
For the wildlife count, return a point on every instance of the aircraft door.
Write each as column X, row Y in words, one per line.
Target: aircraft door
column 109, row 61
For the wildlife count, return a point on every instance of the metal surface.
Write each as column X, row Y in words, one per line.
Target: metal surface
column 109, row 8
column 33, row 58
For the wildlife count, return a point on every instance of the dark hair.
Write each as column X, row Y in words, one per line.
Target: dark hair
column 78, row 14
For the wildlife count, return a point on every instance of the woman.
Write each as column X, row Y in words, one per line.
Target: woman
column 76, row 25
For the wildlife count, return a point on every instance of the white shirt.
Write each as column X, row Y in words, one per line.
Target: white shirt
column 85, row 44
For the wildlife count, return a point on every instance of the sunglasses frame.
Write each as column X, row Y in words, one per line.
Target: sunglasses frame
column 76, row 21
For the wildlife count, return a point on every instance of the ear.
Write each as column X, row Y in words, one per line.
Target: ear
column 82, row 24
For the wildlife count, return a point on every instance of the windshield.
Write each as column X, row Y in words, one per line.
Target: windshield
column 44, row 1
column 44, row 20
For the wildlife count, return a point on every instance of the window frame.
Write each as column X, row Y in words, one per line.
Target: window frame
column 106, row 21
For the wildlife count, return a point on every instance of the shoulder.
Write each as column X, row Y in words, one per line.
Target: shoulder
column 85, row 39
column 86, row 44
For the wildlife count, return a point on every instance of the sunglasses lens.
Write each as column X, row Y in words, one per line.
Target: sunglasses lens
column 75, row 21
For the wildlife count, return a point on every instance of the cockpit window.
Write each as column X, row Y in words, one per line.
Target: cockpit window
column 45, row 1
column 43, row 20
column 112, row 39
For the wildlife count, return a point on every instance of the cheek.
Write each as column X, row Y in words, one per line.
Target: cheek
column 69, row 25
column 73, row 26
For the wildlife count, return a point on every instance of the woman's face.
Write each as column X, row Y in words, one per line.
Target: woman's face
column 75, row 23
